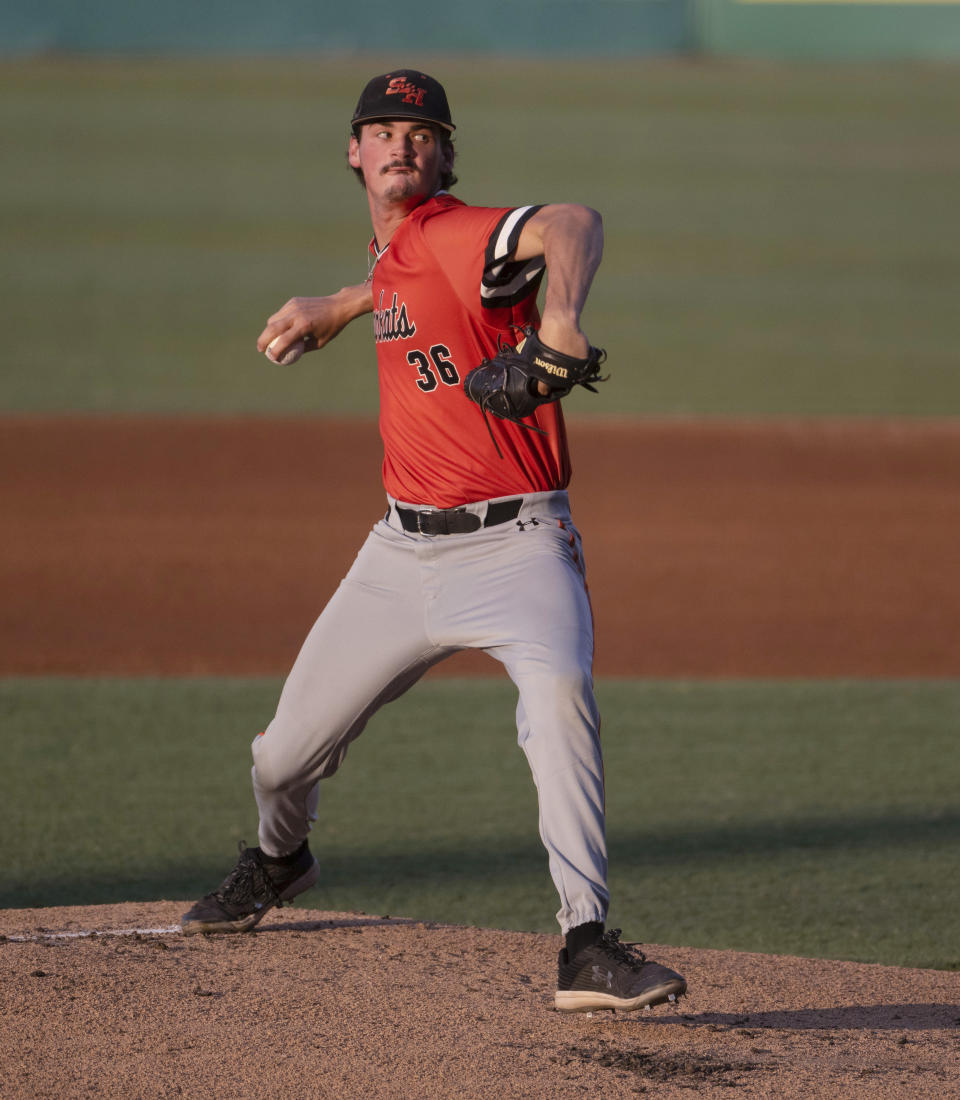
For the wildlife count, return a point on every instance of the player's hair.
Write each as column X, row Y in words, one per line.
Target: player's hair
column 447, row 177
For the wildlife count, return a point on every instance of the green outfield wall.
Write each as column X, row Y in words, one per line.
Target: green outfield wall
column 828, row 30
column 251, row 26
column 756, row 28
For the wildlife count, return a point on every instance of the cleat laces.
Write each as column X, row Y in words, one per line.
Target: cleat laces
column 247, row 883
column 629, row 954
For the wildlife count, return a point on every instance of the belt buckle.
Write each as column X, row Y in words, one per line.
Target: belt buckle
column 425, row 512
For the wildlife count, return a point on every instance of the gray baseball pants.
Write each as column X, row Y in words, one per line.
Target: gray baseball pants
column 515, row 590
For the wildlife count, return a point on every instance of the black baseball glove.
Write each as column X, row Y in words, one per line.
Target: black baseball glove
column 507, row 385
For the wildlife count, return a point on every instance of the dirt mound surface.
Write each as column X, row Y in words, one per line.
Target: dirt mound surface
column 346, row 1005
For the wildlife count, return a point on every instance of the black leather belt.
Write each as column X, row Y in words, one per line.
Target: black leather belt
column 457, row 521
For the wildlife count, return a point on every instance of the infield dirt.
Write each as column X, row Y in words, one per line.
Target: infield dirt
column 714, row 549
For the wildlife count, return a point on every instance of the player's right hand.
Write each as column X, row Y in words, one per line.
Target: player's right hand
column 313, row 321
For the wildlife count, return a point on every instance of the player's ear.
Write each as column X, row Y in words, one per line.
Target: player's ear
column 353, row 152
column 446, row 155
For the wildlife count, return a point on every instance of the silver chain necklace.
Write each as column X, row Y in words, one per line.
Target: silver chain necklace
column 373, row 260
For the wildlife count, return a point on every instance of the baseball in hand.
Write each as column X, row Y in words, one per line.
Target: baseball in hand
column 291, row 355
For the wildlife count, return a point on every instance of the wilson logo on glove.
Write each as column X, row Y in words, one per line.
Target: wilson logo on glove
column 551, row 368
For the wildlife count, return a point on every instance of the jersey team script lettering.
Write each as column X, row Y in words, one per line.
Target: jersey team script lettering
column 392, row 323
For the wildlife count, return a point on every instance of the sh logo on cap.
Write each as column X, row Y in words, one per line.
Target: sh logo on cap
column 410, row 92
column 404, row 93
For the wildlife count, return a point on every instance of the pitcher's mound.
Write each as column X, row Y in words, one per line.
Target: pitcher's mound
column 114, row 1001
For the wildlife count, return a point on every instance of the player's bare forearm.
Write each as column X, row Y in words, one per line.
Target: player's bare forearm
column 570, row 239
column 314, row 321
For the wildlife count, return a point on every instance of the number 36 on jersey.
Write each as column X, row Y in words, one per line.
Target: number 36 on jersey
column 433, row 367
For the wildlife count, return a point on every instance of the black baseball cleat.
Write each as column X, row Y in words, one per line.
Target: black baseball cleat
column 251, row 890
column 614, row 975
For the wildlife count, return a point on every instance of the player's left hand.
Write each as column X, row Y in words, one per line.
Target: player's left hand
column 563, row 338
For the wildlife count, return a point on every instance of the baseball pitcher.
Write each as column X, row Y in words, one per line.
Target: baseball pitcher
column 477, row 548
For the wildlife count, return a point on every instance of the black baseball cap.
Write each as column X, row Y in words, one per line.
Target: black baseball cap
column 404, row 93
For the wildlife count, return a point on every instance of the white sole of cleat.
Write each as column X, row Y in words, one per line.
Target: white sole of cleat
column 586, row 1000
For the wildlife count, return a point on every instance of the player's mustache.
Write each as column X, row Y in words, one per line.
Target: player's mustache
column 405, row 162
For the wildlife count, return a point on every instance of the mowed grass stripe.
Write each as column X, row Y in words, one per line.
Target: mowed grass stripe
column 778, row 236
column 793, row 817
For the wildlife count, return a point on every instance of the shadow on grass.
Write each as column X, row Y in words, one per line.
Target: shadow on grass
column 440, row 865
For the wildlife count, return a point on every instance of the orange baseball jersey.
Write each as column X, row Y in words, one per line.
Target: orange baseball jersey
column 444, row 290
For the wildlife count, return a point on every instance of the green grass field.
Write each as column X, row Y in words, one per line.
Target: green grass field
column 807, row 818
column 781, row 239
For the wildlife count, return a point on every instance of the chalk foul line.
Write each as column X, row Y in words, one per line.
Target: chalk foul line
column 89, row 933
